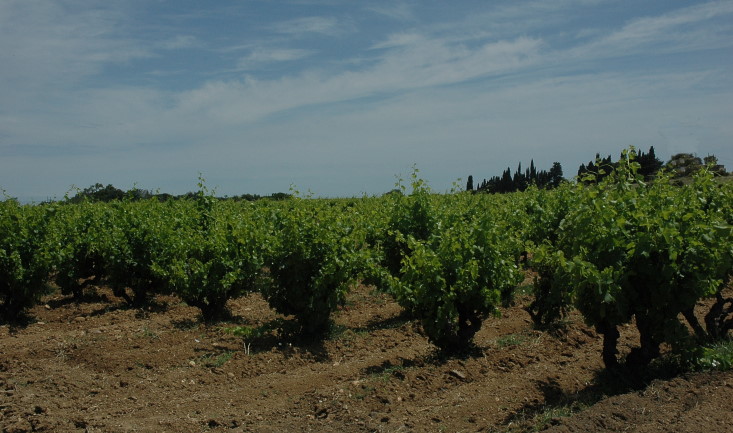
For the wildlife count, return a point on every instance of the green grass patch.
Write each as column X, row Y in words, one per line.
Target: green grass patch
column 149, row 333
column 214, row 360
column 539, row 421
column 388, row 372
column 511, row 340
column 718, row 356
column 363, row 392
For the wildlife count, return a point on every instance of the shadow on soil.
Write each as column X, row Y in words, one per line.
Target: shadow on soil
column 382, row 324
column 558, row 403
column 18, row 323
column 86, row 298
column 389, row 368
column 279, row 334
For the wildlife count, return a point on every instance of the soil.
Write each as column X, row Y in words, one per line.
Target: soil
column 100, row 366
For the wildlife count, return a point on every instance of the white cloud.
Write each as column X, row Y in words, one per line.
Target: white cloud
column 262, row 56
column 394, row 10
column 301, row 26
column 509, row 19
column 399, row 40
column 670, row 32
column 346, row 149
column 427, row 63
column 179, row 42
column 45, row 47
column 456, row 98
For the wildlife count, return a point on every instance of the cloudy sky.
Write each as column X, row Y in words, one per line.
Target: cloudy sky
column 339, row 97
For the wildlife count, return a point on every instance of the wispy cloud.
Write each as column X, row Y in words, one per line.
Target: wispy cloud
column 302, row 93
column 425, row 62
column 42, row 45
column 179, row 42
column 650, row 28
column 309, row 25
column 400, row 40
column 509, row 19
column 675, row 31
column 263, row 56
column 397, row 11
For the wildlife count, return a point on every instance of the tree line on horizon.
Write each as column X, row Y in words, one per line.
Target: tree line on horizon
column 519, row 181
column 649, row 165
column 683, row 164
column 101, row 193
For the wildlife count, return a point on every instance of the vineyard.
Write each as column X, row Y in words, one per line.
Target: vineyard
column 413, row 311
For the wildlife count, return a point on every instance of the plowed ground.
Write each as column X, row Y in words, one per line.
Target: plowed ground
column 99, row 366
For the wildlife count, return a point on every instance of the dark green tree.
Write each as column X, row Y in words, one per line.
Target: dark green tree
column 555, row 175
column 98, row 192
column 649, row 163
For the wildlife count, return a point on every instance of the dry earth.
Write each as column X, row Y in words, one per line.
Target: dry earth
column 99, row 366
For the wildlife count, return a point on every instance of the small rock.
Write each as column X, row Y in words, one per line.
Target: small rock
column 457, row 374
column 192, row 363
column 80, row 319
column 48, row 307
column 322, row 413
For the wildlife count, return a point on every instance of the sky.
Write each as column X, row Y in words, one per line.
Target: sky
column 342, row 98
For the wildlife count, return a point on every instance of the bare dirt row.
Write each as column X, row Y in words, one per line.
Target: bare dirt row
column 99, row 366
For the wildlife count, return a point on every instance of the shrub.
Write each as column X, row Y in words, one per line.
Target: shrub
column 24, row 261
column 212, row 255
column 648, row 252
column 453, row 281
column 312, row 261
column 143, row 229
column 81, row 237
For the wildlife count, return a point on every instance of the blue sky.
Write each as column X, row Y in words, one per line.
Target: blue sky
column 339, row 97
